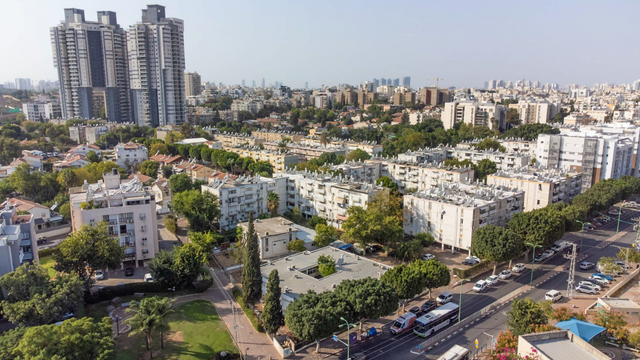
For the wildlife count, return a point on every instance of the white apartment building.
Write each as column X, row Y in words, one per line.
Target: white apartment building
column 17, row 239
column 597, row 156
column 304, row 152
column 503, row 160
column 245, row 105
column 452, row 213
column 491, row 115
column 238, row 140
column 130, row 154
column 274, row 235
column 620, row 129
column 537, row 111
column 541, row 186
column 240, row 195
column 38, row 111
column 324, row 195
column 369, row 147
column 129, row 209
column 156, row 69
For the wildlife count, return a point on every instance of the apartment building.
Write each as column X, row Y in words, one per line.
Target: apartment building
column 541, row 187
column 195, row 171
column 519, row 146
column 597, row 156
column 84, row 150
column 246, row 105
column 403, row 97
column 305, row 152
column 89, row 134
column 71, row 161
column 17, row 238
column 453, row 212
column 537, row 111
column 130, row 154
column 162, row 191
column 343, row 98
column 38, row 111
column 274, row 235
column 433, row 96
column 503, row 160
column 365, row 97
column 166, row 159
column 491, row 115
column 238, row 140
column 192, row 84
column 129, row 209
column 369, row 147
column 620, row 129
column 277, row 136
column 240, row 195
column 279, row 161
column 324, row 195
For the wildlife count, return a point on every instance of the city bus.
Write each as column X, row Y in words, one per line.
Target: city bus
column 437, row 319
column 457, row 352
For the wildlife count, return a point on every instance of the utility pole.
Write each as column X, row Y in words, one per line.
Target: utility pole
column 572, row 271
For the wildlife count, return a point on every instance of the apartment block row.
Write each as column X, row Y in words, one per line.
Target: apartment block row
column 503, row 161
column 279, row 160
column 305, row 153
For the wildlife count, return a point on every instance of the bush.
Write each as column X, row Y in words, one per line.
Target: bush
column 46, row 252
column 237, row 293
column 204, row 283
column 170, row 223
column 109, row 292
column 426, row 239
column 476, row 269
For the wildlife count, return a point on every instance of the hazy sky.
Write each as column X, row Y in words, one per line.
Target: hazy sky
column 343, row 41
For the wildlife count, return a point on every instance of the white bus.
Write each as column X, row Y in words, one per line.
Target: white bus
column 437, row 319
column 457, row 352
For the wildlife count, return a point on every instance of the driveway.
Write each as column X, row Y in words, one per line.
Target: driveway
column 115, row 277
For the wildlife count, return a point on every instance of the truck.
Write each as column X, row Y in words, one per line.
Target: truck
column 403, row 323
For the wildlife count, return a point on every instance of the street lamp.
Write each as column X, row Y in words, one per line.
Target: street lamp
column 117, row 319
column 619, row 214
column 460, row 300
column 533, row 260
column 583, row 225
column 348, row 326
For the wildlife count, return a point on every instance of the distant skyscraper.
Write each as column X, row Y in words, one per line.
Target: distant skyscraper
column 383, row 82
column 406, row 81
column 376, row 82
column 156, row 68
column 253, row 82
column 306, row 84
column 91, row 60
column 263, row 83
column 24, row 84
column 486, row 85
column 242, row 82
column 192, row 84
column 396, row 82
column 389, row 82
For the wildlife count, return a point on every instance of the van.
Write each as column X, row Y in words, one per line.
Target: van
column 403, row 323
column 553, row 295
column 444, row 298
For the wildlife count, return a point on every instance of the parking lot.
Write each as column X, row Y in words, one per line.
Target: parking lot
column 115, row 277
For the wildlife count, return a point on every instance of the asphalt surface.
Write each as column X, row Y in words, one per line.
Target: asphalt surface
column 387, row 346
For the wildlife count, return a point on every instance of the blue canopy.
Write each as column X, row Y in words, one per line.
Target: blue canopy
column 585, row 330
column 345, row 247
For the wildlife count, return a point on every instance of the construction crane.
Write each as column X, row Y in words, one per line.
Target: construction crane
column 437, row 81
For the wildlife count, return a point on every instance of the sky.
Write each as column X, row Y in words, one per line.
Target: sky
column 347, row 41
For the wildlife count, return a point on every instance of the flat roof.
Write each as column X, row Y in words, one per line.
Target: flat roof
column 273, row 226
column 304, row 233
column 562, row 348
column 353, row 267
column 620, row 303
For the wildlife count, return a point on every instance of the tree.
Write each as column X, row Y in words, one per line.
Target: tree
column 162, row 306
column 162, row 269
column 496, row 244
column 86, row 250
column 296, row 246
column 167, row 171
column 272, row 316
column 539, row 227
column 325, row 235
column 608, row 265
column 425, row 239
column 485, row 167
column 490, row 144
column 188, row 260
column 170, row 223
column 315, row 220
column 251, row 276
column 357, row 155
column 525, row 313
column 369, row 298
column 388, row 183
column 380, row 223
column 201, row 209
column 158, row 149
column 93, row 157
column 150, row 168
column 143, row 320
column 433, row 273
column 405, row 280
column 34, row 299
column 409, row 250
column 180, row 183
column 273, row 202
column 326, row 265
column 405, row 118
column 205, row 242
column 564, row 313
column 629, row 254
column 74, row 339
column 613, row 321
column 506, row 340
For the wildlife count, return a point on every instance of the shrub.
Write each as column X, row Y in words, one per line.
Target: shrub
column 46, row 252
column 474, row 270
column 170, row 223
column 204, row 283
column 237, row 293
column 109, row 292
column 426, row 239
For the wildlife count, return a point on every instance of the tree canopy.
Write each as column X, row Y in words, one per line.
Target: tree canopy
column 496, row 244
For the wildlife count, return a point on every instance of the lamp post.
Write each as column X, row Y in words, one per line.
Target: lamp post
column 619, row 215
column 533, row 259
column 582, row 231
column 460, row 300
column 117, row 319
column 348, row 339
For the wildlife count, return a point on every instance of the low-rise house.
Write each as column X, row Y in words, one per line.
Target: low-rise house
column 166, row 159
column 629, row 308
column 130, row 154
column 162, row 190
column 195, row 171
column 274, row 235
column 74, row 161
column 17, row 239
column 84, row 150
column 558, row 345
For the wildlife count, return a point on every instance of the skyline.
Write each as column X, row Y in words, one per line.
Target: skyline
column 294, row 43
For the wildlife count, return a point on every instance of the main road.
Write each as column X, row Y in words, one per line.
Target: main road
column 387, row 346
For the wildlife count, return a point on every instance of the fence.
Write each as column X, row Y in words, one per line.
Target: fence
column 622, row 283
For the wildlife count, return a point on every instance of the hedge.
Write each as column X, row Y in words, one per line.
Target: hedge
column 109, row 292
column 237, row 293
column 475, row 270
column 204, row 283
column 46, row 252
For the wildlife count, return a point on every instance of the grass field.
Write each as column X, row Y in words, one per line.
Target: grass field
column 47, row 262
column 196, row 332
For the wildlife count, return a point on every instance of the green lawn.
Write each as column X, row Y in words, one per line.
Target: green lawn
column 47, row 262
column 196, row 333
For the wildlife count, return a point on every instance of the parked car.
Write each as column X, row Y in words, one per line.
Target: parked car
column 41, row 240
column 428, row 306
column 128, row 271
column 471, row 260
column 148, row 277
column 416, row 310
column 585, row 265
column 585, row 289
column 553, row 295
column 492, row 280
column 622, row 265
column 480, row 286
column 539, row 257
column 614, row 212
column 598, row 280
column 548, row 253
column 518, row 268
column 403, row 323
column 428, row 257
column 99, row 275
column 444, row 298
column 505, row 274
column 603, row 276
column 589, row 283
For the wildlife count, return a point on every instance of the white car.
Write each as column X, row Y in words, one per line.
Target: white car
column 585, row 289
column 589, row 283
column 548, row 253
column 428, row 257
column 599, row 280
column 505, row 274
column 615, row 212
column 480, row 286
column 148, row 277
column 99, row 275
column 518, row 268
column 492, row 280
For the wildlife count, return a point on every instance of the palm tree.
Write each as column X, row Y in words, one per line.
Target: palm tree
column 324, row 138
column 273, row 202
column 143, row 320
column 162, row 308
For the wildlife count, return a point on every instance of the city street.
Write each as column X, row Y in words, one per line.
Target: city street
column 387, row 346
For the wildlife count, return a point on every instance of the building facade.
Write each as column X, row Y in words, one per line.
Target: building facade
column 130, row 154
column 491, row 115
column 17, row 239
column 279, row 161
column 274, row 235
column 192, row 84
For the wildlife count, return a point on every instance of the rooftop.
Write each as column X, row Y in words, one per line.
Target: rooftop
column 560, row 345
column 271, row 226
column 233, row 180
column 467, row 195
column 348, row 267
column 535, row 174
column 425, row 164
column 192, row 141
column 619, row 303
